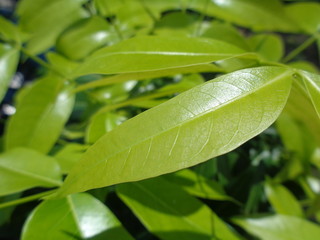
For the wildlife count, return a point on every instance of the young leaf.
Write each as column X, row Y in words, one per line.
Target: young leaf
column 151, row 53
column 198, row 185
column 41, row 115
column 84, row 37
column 312, row 84
column 170, row 213
column 9, row 31
column 23, row 168
column 9, row 58
column 206, row 121
column 282, row 200
column 79, row 216
column 51, row 18
column 280, row 227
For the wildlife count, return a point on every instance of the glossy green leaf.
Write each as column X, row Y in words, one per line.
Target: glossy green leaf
column 197, row 185
column 155, row 53
column 79, row 216
column 9, row 31
column 23, row 168
column 312, row 84
column 69, row 155
column 269, row 46
column 84, row 37
column 225, row 32
column 256, row 14
column 9, row 58
column 305, row 15
column 304, row 65
column 170, row 213
column 215, row 118
column 61, row 64
column 280, row 227
column 282, row 200
column 101, row 124
column 51, row 18
column 41, row 115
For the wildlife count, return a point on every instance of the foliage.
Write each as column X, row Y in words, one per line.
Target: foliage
column 164, row 112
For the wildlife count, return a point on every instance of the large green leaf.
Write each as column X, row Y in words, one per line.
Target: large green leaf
column 282, row 200
column 151, row 53
column 9, row 31
column 9, row 58
column 41, row 115
column 280, row 227
column 23, row 168
column 305, row 15
column 45, row 20
column 79, row 216
column 170, row 213
column 206, row 121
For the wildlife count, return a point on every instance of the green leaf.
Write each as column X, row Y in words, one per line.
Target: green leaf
column 9, row 31
column 9, row 58
column 151, row 53
column 23, row 168
column 84, row 37
column 312, row 84
column 225, row 32
column 305, row 65
column 101, row 124
column 198, row 185
column 255, row 14
column 70, row 155
column 282, row 200
column 280, row 227
column 50, row 20
column 269, row 46
column 215, row 118
column 61, row 64
column 305, row 15
column 170, row 213
column 41, row 114
column 79, row 216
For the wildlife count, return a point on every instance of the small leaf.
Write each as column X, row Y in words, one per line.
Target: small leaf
column 151, row 53
column 9, row 31
column 170, row 213
column 84, row 37
column 50, row 20
column 197, row 185
column 282, row 200
column 9, row 58
column 280, row 227
column 269, row 46
column 215, row 118
column 79, row 216
column 23, row 168
column 69, row 155
column 312, row 84
column 41, row 114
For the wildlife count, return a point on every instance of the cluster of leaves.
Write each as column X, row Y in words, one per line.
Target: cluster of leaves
column 122, row 93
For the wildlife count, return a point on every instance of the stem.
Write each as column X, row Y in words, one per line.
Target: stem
column 134, row 100
column 26, row 199
column 42, row 63
column 300, row 48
